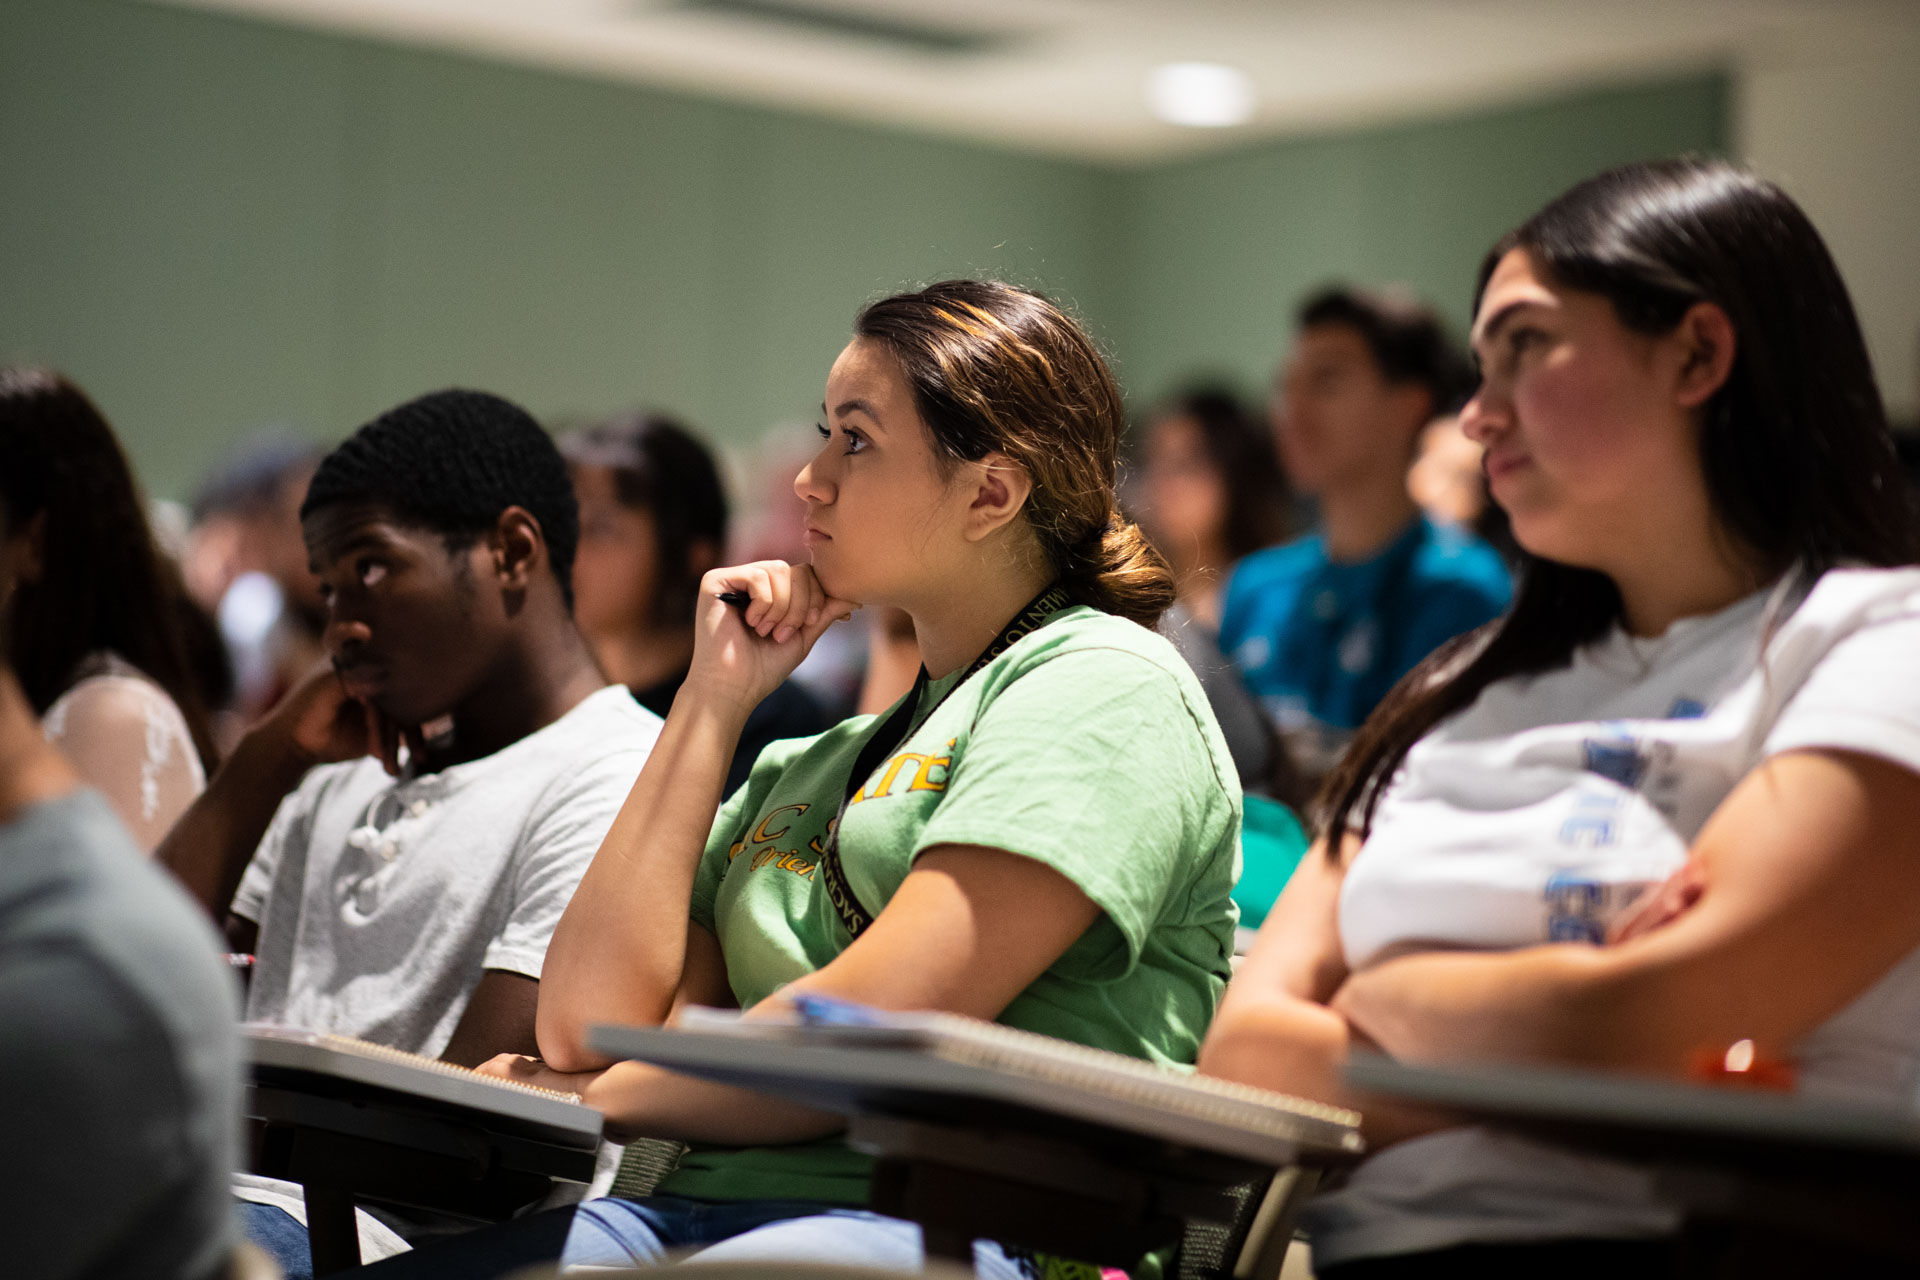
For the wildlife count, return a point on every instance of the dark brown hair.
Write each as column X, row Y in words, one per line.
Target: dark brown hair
column 104, row 586
column 1408, row 342
column 1241, row 449
column 660, row 468
column 995, row 367
column 1800, row 466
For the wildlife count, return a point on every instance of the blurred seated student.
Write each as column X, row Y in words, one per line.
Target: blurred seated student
column 1448, row 482
column 653, row 519
column 246, row 562
column 1672, row 800
column 95, row 619
column 893, row 659
column 771, row 525
column 1043, row 831
column 397, row 840
column 119, row 1066
column 1210, row 492
column 1323, row 626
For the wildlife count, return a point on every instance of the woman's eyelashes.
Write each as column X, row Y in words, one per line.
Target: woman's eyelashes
column 856, row 442
column 1508, row 350
column 1520, row 341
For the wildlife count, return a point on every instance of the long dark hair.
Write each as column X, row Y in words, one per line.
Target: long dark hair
column 997, row 367
column 1800, row 466
column 103, row 584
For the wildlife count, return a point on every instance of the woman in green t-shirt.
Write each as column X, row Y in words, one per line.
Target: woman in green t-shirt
column 1044, row 832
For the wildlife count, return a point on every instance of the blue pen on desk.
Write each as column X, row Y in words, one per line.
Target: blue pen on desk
column 826, row 1011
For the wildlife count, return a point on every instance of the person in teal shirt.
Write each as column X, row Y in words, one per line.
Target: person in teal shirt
column 1045, row 831
column 1322, row 627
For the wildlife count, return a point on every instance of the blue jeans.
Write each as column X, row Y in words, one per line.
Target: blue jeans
column 280, row 1235
column 613, row 1233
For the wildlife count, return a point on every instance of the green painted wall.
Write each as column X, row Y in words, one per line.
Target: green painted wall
column 215, row 224
column 1220, row 250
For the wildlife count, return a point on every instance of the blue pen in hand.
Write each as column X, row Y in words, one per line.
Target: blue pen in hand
column 826, row 1011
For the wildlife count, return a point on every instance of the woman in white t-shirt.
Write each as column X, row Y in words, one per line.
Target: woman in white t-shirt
column 1672, row 800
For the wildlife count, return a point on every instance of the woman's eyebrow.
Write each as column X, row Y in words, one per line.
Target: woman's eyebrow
column 854, row 406
column 1498, row 321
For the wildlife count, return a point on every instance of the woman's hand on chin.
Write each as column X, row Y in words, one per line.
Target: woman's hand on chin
column 741, row 653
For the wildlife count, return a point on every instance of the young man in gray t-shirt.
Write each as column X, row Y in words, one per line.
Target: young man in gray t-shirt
column 397, row 840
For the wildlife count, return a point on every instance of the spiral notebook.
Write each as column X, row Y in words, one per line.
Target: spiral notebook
column 285, row 1056
column 953, row 1069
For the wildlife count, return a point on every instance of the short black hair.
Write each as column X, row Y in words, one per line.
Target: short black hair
column 1407, row 340
column 451, row 462
column 660, row 467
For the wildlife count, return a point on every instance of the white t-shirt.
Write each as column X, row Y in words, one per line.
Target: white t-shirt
column 1540, row 812
column 127, row 739
column 381, row 901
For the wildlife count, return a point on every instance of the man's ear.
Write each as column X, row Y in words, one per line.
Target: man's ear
column 1001, row 487
column 519, row 548
column 1707, row 345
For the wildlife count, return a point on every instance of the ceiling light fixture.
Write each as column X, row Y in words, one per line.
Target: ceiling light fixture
column 1201, row 95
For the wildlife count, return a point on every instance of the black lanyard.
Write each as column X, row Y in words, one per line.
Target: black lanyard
column 893, row 731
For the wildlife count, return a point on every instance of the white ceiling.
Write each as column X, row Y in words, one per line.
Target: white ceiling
column 1067, row 77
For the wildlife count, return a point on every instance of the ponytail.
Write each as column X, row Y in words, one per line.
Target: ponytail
column 1118, row 571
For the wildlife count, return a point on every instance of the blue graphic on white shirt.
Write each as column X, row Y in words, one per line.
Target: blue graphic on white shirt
column 1618, row 757
column 1623, row 770
column 1686, row 709
column 1594, row 822
column 1576, row 908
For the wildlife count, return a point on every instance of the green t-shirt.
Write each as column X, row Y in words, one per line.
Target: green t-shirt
column 1088, row 746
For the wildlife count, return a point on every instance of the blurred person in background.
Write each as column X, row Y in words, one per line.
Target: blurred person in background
column 653, row 519
column 1210, row 492
column 893, row 659
column 92, row 613
column 1447, row 481
column 245, row 563
column 1323, row 626
column 850, row 667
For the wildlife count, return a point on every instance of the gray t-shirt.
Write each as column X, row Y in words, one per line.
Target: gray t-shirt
column 381, row 901
column 119, row 1066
